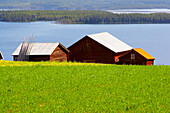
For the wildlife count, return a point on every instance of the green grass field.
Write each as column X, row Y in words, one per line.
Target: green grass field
column 46, row 87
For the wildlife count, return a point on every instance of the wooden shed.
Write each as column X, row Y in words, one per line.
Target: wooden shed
column 1, row 57
column 97, row 48
column 44, row 52
column 136, row 56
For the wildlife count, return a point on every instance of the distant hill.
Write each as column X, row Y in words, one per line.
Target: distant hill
column 82, row 4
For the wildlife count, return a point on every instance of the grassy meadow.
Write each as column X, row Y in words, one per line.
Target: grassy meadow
column 79, row 87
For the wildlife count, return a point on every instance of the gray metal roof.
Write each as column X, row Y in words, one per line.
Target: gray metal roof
column 1, row 57
column 40, row 48
column 110, row 42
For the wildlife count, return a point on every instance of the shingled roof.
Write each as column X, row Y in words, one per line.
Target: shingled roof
column 41, row 48
column 110, row 42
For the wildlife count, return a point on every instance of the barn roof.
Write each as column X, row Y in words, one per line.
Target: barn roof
column 41, row 48
column 143, row 53
column 110, row 42
column 1, row 57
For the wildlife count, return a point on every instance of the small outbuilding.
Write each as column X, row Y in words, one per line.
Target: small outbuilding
column 97, row 48
column 1, row 57
column 44, row 52
column 136, row 56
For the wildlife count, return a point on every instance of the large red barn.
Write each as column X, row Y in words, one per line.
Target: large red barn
column 105, row 48
column 98, row 48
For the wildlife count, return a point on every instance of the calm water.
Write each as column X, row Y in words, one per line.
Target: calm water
column 141, row 11
column 153, row 38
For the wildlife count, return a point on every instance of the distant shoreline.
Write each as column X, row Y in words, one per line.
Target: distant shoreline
column 54, row 22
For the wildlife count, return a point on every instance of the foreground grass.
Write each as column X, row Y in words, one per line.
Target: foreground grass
column 35, row 87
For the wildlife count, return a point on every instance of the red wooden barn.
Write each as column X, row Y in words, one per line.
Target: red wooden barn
column 1, row 57
column 45, row 52
column 98, row 48
column 136, row 56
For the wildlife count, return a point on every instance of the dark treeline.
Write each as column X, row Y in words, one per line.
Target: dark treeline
column 82, row 17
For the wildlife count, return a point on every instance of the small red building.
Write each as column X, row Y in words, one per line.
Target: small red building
column 136, row 56
column 44, row 52
column 97, row 48
column 1, row 57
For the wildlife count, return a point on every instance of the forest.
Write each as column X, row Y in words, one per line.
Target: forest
column 82, row 17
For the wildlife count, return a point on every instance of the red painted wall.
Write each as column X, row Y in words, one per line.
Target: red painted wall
column 150, row 62
column 88, row 50
column 139, row 59
column 58, row 54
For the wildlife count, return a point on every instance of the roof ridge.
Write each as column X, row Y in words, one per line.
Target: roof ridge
column 109, row 41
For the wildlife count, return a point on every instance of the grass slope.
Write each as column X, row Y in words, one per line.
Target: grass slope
column 74, row 87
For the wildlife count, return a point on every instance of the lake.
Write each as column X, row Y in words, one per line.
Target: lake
column 140, row 11
column 153, row 38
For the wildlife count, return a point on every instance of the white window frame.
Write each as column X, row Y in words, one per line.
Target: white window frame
column 132, row 56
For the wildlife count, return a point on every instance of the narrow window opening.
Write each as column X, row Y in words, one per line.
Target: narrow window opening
column 132, row 56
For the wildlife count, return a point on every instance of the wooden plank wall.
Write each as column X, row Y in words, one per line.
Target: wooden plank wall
column 88, row 50
column 15, row 58
column 139, row 59
column 35, row 58
column 39, row 58
column 59, row 54
column 117, row 55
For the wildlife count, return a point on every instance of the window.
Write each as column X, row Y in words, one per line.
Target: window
column 132, row 56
